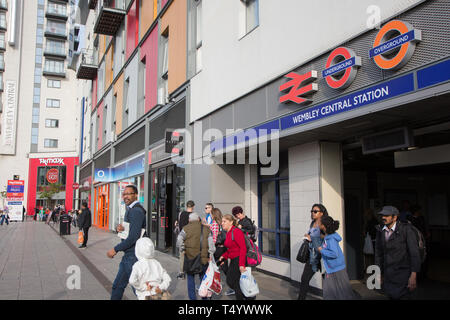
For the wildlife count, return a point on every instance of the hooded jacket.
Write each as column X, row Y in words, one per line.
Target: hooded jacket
column 147, row 269
column 333, row 258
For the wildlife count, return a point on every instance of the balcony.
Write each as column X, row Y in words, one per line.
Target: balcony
column 2, row 65
column 88, row 66
column 109, row 17
column 56, row 33
column 92, row 4
column 57, row 12
column 55, row 52
column 54, row 68
column 3, row 5
column 2, row 44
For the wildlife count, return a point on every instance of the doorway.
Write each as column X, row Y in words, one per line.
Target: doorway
column 167, row 199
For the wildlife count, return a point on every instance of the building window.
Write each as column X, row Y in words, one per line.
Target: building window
column 55, row 47
column 54, row 66
column 53, row 103
column 251, row 15
column 50, row 143
column 274, row 216
column 58, row 28
column 42, row 176
column 2, row 62
column 56, row 8
column 53, row 83
column 2, row 20
column 2, row 41
column 51, row 123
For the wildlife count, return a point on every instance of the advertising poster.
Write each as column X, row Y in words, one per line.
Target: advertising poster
column 15, row 210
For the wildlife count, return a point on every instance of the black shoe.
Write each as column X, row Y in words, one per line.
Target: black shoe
column 181, row 276
column 82, row 247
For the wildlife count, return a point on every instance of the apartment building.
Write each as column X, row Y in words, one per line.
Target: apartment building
column 39, row 117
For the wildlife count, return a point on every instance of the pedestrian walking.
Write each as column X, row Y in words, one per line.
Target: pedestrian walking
column 245, row 224
column 4, row 216
column 135, row 217
column 236, row 252
column 207, row 218
column 183, row 220
column 84, row 223
column 198, row 243
column 315, row 238
column 148, row 277
column 397, row 254
column 336, row 284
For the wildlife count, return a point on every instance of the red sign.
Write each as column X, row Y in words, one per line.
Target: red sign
column 52, row 175
column 75, row 186
column 299, row 87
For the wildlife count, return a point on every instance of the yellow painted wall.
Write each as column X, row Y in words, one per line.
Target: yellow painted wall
column 175, row 21
column 101, row 46
column 148, row 13
column 118, row 90
column 109, row 63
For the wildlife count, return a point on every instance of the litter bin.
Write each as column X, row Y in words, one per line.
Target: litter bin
column 64, row 225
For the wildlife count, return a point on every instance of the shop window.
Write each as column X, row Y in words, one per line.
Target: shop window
column 274, row 215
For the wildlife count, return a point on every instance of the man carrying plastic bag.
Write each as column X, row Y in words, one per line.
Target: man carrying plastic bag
column 211, row 281
column 248, row 284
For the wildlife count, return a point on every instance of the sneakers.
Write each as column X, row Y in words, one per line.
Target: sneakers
column 181, row 276
column 82, row 247
column 230, row 292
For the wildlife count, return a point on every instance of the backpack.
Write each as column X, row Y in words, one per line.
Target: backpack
column 253, row 256
column 420, row 242
column 255, row 232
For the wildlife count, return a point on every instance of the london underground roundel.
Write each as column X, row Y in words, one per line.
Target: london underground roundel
column 341, row 68
column 394, row 45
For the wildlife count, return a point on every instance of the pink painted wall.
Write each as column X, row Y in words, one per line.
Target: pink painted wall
column 163, row 3
column 132, row 28
column 149, row 51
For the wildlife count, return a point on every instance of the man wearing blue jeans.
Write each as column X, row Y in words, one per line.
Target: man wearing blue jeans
column 4, row 216
column 135, row 216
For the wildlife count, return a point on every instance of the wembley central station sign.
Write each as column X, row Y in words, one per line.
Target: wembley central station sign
column 393, row 47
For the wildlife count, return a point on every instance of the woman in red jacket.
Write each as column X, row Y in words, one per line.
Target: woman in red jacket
column 236, row 252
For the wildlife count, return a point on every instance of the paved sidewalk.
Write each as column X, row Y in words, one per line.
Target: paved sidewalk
column 101, row 241
column 34, row 259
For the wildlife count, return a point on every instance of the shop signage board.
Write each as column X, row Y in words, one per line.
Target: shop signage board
column 352, row 101
column 53, row 176
column 15, row 210
column 9, row 119
column 15, row 190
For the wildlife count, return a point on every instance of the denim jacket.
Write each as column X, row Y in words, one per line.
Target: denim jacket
column 314, row 254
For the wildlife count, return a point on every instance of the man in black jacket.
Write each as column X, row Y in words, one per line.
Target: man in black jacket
column 84, row 223
column 397, row 254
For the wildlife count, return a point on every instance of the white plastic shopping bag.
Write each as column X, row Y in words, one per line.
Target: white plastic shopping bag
column 368, row 245
column 248, row 284
column 208, row 280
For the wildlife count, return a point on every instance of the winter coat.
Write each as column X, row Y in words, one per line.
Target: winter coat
column 397, row 258
column 332, row 256
column 147, row 269
column 84, row 219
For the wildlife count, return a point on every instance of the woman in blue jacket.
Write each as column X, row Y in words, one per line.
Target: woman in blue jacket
column 336, row 285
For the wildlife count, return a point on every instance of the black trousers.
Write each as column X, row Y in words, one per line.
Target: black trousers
column 85, row 235
column 307, row 275
column 233, row 276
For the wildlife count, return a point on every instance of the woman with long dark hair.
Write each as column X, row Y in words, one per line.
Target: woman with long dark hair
column 336, row 284
column 315, row 237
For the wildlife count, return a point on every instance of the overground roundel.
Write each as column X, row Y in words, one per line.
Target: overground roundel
column 394, row 45
column 341, row 68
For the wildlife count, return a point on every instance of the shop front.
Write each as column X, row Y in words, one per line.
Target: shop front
column 51, row 183
column 167, row 197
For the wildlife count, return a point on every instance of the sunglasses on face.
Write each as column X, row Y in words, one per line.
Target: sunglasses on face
column 315, row 211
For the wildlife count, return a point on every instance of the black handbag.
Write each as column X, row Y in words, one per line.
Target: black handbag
column 194, row 266
column 303, row 252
